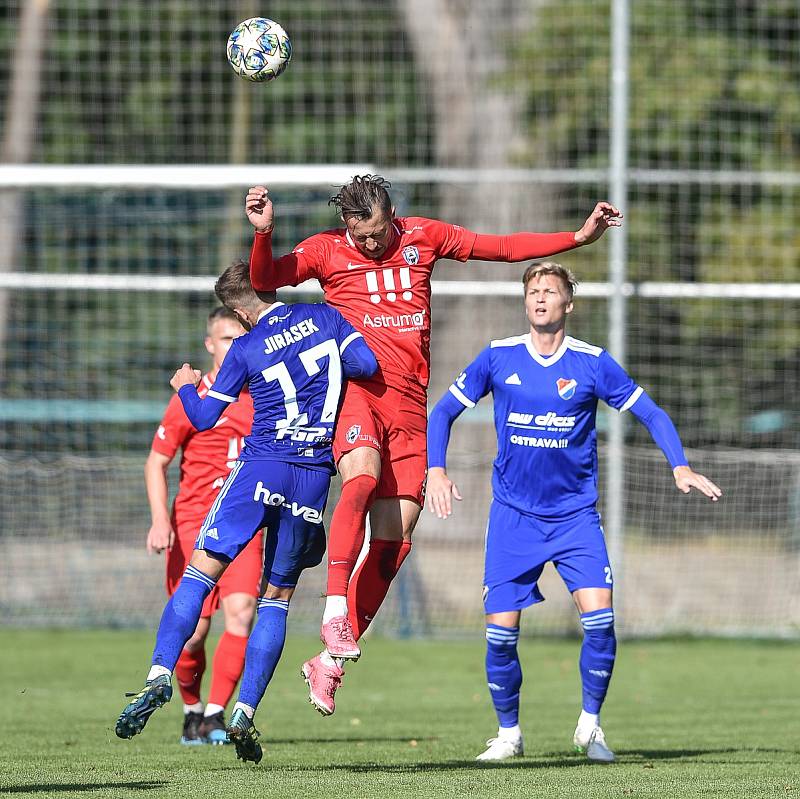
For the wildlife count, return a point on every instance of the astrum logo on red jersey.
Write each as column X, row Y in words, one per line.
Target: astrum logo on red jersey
column 566, row 387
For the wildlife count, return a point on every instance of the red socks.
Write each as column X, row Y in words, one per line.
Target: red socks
column 346, row 537
column 370, row 583
column 189, row 674
column 228, row 667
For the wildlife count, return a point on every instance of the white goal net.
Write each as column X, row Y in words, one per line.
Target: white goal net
column 126, row 146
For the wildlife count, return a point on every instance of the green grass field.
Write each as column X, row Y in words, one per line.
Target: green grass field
column 686, row 719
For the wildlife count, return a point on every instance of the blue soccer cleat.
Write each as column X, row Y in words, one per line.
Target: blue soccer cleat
column 244, row 736
column 155, row 693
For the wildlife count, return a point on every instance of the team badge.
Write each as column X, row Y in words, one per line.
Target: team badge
column 566, row 387
column 411, row 255
column 351, row 436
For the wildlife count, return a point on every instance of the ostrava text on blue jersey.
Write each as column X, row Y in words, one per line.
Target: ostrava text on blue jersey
column 544, row 412
column 283, row 359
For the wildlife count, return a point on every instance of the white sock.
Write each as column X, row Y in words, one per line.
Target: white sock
column 248, row 711
column 510, row 733
column 211, row 709
column 197, row 707
column 326, row 658
column 588, row 720
column 334, row 606
column 157, row 671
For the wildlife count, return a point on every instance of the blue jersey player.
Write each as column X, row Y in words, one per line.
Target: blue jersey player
column 294, row 360
column 545, row 387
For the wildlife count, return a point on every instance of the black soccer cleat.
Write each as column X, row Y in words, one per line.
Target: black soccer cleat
column 213, row 730
column 191, row 729
column 244, row 737
column 155, row 693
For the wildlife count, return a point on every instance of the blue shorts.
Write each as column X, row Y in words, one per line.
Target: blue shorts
column 287, row 500
column 519, row 545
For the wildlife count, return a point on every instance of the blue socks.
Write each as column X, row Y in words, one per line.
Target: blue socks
column 263, row 650
column 503, row 672
column 180, row 616
column 597, row 657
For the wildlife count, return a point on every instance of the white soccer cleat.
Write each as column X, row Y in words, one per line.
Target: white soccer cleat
column 501, row 749
column 593, row 743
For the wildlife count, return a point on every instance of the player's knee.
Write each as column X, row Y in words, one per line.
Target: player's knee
column 213, row 567
column 360, row 461
column 283, row 592
column 501, row 642
column 598, row 627
column 239, row 613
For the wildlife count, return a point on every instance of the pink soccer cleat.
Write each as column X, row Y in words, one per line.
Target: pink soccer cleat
column 322, row 682
column 339, row 639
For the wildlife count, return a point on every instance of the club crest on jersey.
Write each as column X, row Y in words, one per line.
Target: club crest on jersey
column 351, row 436
column 411, row 255
column 566, row 387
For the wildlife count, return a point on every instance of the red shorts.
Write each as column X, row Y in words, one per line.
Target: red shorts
column 243, row 576
column 392, row 419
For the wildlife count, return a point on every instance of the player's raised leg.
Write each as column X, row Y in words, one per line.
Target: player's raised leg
column 360, row 469
column 598, row 652
column 392, row 522
column 395, row 519
column 178, row 622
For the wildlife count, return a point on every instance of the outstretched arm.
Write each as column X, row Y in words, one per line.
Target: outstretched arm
column 440, row 489
column 203, row 413
column 663, row 431
column 266, row 273
column 522, row 246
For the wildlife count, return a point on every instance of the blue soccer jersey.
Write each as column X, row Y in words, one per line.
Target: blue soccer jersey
column 544, row 413
column 294, row 361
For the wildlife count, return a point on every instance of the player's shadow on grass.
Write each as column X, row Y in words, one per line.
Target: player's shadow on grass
column 342, row 740
column 54, row 789
column 533, row 761
column 633, row 755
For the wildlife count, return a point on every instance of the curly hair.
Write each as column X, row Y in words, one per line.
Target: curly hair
column 362, row 197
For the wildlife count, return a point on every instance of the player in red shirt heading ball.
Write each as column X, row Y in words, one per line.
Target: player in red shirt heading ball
column 206, row 461
column 376, row 271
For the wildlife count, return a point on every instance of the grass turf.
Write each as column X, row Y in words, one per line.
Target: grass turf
column 686, row 719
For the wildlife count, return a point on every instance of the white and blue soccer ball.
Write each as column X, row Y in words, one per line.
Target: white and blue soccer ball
column 259, row 49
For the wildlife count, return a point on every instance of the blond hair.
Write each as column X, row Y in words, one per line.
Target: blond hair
column 540, row 268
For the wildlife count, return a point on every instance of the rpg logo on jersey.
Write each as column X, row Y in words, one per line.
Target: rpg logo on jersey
column 411, row 255
column 351, row 436
column 566, row 387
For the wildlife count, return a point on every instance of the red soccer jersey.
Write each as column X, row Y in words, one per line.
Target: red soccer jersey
column 387, row 299
column 207, row 457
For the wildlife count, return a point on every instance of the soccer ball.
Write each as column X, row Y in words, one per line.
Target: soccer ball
column 259, row 49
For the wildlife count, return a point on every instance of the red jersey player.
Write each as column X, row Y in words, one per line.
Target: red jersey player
column 206, row 461
column 376, row 271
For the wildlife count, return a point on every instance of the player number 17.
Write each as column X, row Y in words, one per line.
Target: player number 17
column 310, row 359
